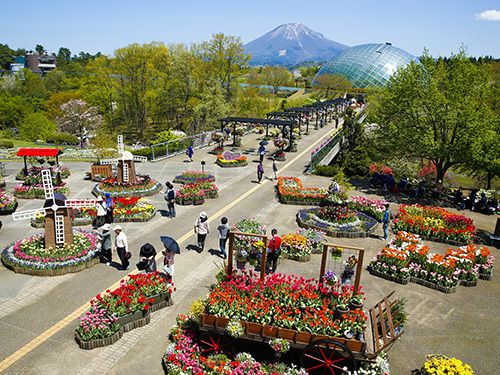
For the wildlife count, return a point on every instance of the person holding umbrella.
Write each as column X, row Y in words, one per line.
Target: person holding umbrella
column 261, row 152
column 171, row 248
column 147, row 255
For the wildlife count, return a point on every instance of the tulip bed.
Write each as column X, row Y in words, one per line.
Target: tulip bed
column 30, row 190
column 30, row 253
column 284, row 301
column 143, row 186
column 434, row 223
column 197, row 191
column 229, row 159
column 194, row 177
column 8, row 203
column 406, row 257
column 301, row 245
column 37, row 172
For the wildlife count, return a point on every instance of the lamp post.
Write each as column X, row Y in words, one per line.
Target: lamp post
column 203, row 165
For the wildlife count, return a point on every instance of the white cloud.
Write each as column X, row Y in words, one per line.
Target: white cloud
column 488, row 15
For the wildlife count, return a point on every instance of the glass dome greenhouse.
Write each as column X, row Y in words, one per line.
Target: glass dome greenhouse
column 367, row 64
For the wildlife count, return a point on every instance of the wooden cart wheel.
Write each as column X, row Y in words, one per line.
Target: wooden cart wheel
column 327, row 357
column 214, row 342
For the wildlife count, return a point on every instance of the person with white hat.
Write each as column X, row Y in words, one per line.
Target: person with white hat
column 202, row 228
column 100, row 219
column 106, row 244
column 121, row 246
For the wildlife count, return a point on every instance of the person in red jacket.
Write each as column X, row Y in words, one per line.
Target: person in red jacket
column 273, row 252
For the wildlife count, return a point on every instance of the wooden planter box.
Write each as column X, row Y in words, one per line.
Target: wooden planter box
column 303, row 337
column 100, row 169
column 487, row 277
column 287, row 334
column 56, row 272
column 254, row 328
column 221, row 322
column 305, row 258
column 198, row 202
column 468, row 283
column 383, row 275
column 160, row 301
column 98, row 343
column 270, row 331
column 134, row 320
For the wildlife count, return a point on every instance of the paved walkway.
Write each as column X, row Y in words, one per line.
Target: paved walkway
column 38, row 315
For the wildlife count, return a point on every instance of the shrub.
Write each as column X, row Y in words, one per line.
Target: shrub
column 6, row 144
column 63, row 139
column 326, row 170
column 357, row 163
column 36, row 126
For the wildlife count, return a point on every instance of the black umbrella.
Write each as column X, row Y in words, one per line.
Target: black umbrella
column 147, row 250
column 263, row 143
column 171, row 244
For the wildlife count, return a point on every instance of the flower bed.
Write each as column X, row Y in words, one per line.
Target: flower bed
column 301, row 245
column 196, row 192
column 144, row 186
column 29, row 256
column 8, row 203
column 27, row 190
column 372, row 207
column 283, row 301
column 434, row 223
column 122, row 309
column 37, row 172
column 352, row 225
column 126, row 209
column 194, row 177
column 406, row 258
column 229, row 159
column 440, row 364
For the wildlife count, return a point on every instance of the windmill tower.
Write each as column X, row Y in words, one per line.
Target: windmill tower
column 125, row 169
column 58, row 228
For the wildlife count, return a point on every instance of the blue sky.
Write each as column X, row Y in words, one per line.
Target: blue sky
column 442, row 26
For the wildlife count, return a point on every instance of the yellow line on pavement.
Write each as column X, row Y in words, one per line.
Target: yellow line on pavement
column 7, row 362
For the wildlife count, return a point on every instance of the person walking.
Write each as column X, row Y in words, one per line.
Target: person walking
column 100, row 218
column 105, row 238
column 190, row 152
column 261, row 152
column 147, row 255
column 260, row 171
column 168, row 263
column 273, row 252
column 110, row 206
column 170, row 198
column 201, row 228
column 121, row 247
column 223, row 229
column 275, row 169
column 386, row 221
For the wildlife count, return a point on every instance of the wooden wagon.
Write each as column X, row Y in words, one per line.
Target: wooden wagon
column 320, row 354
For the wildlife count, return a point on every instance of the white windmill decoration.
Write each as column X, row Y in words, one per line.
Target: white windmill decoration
column 58, row 228
column 125, row 163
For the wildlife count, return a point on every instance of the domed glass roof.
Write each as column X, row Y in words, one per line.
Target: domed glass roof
column 368, row 64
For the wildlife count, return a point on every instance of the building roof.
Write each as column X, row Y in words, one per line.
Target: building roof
column 39, row 152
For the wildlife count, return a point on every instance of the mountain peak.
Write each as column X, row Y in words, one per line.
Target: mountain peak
column 291, row 43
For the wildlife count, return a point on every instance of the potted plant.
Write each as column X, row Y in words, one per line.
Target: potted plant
column 241, row 258
column 336, row 253
column 341, row 309
column 356, row 302
column 330, row 278
column 257, row 247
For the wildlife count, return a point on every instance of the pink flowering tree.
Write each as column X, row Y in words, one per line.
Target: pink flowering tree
column 78, row 119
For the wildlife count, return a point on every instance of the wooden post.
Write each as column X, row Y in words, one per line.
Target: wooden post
column 323, row 262
column 230, row 255
column 358, row 271
column 263, row 260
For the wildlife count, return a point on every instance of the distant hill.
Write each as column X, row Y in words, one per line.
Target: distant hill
column 291, row 43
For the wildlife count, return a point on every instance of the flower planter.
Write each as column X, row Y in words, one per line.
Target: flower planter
column 487, row 276
column 353, row 305
column 198, row 202
column 304, row 337
column 467, row 283
column 133, row 320
column 338, row 313
column 399, row 280
column 207, row 320
column 298, row 258
column 8, row 212
column 50, row 272
column 240, row 265
column 221, row 322
column 160, row 301
column 287, row 334
column 270, row 331
column 97, row 343
column 254, row 328
column 186, row 202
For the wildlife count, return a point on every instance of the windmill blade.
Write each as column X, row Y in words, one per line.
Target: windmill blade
column 28, row 214
column 109, row 161
column 141, row 159
column 120, row 144
column 59, row 224
column 79, row 203
column 125, row 172
column 47, row 184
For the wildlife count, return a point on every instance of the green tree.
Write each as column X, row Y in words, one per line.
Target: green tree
column 210, row 108
column 275, row 76
column 330, row 85
column 6, row 56
column 436, row 111
column 63, row 57
column 225, row 60
column 53, row 105
column 36, row 126
column 12, row 110
column 40, row 49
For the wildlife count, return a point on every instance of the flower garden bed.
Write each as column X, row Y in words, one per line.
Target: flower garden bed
column 143, row 187
column 196, row 193
column 188, row 177
column 435, row 224
column 131, row 209
column 26, row 190
column 229, row 159
column 406, row 258
column 123, row 309
column 29, row 256
column 37, row 172
column 358, row 224
column 8, row 204
column 301, row 245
